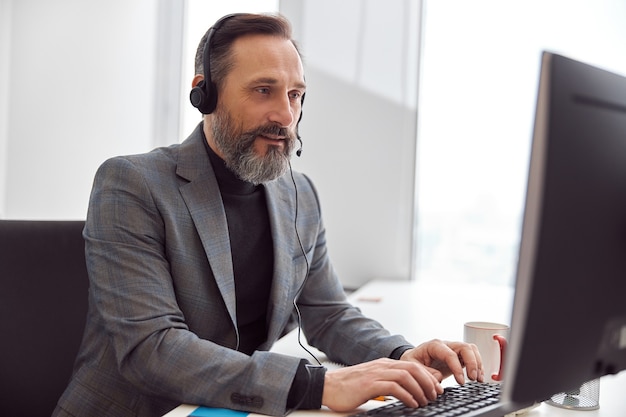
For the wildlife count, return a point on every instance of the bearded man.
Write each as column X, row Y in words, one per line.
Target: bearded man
column 200, row 255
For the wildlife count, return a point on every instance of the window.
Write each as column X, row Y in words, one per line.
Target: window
column 479, row 75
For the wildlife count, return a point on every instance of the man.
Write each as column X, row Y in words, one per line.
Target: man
column 199, row 254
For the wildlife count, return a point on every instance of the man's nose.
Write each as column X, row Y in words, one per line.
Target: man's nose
column 282, row 112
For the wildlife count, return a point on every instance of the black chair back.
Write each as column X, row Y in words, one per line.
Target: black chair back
column 43, row 306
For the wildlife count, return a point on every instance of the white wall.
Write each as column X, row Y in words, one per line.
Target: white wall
column 5, row 51
column 81, row 87
column 86, row 81
column 359, row 128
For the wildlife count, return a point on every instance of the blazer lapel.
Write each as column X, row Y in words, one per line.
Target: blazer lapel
column 281, row 208
column 204, row 202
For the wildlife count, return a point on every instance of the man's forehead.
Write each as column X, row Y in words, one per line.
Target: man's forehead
column 269, row 55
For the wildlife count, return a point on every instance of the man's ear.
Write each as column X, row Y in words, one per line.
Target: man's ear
column 196, row 80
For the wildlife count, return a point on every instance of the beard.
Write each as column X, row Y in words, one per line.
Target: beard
column 237, row 148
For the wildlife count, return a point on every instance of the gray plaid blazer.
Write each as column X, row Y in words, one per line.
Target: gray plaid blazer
column 161, row 328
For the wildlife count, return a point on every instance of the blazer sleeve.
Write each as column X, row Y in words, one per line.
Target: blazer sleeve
column 330, row 322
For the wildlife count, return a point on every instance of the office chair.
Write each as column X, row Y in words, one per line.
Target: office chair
column 43, row 306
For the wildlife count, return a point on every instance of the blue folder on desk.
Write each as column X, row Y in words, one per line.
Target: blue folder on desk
column 216, row 412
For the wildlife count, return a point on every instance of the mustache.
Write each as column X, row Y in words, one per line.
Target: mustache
column 274, row 130
column 246, row 139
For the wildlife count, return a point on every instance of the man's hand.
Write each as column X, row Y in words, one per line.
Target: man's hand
column 414, row 379
column 408, row 380
column 448, row 358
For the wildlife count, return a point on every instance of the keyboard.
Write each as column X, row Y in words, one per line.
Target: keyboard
column 455, row 401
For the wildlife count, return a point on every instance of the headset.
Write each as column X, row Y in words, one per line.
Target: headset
column 204, row 95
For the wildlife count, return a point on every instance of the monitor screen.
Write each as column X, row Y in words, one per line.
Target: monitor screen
column 569, row 315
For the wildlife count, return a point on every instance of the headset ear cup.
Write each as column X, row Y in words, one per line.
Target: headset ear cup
column 197, row 96
column 204, row 97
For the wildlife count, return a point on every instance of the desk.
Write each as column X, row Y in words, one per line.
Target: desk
column 423, row 311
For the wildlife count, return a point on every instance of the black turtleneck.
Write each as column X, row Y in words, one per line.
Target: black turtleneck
column 251, row 249
column 253, row 264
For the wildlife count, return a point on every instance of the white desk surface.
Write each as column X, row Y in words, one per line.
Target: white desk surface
column 423, row 311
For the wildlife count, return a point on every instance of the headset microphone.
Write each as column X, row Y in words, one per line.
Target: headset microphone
column 299, row 151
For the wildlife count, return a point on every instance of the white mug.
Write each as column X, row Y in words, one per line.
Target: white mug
column 491, row 340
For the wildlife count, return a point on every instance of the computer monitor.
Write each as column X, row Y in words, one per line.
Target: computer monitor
column 569, row 315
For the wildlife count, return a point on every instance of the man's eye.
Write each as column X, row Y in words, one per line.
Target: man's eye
column 294, row 95
column 263, row 90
